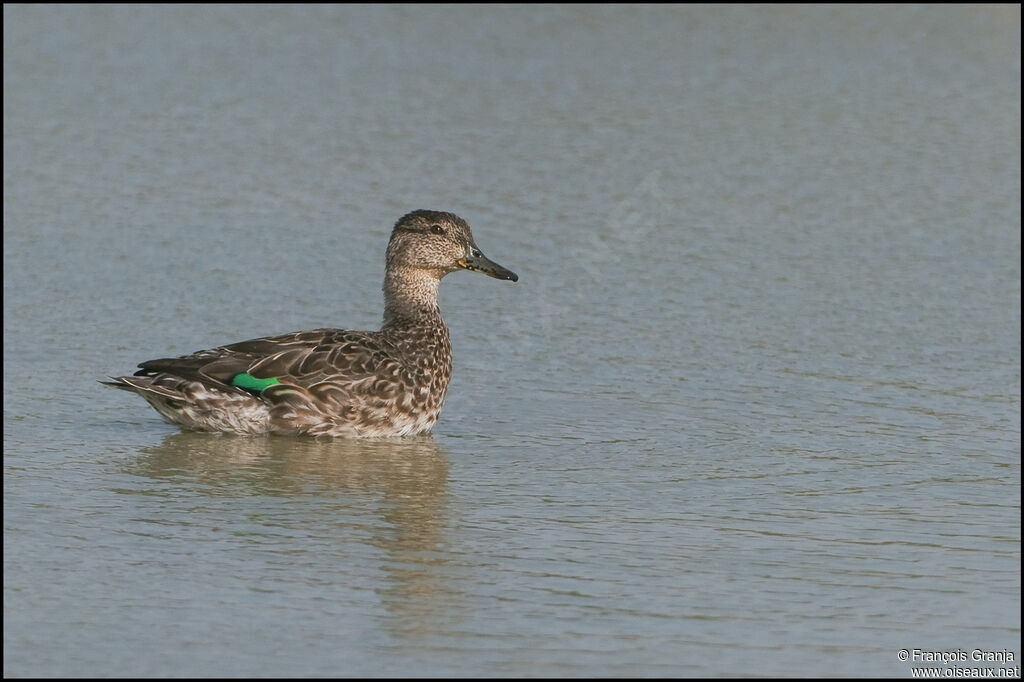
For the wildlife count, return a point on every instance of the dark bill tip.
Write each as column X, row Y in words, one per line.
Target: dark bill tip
column 478, row 262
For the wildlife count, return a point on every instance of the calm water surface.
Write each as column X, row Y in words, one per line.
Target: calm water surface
column 753, row 407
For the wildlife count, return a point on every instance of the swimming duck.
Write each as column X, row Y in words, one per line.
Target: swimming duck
column 333, row 382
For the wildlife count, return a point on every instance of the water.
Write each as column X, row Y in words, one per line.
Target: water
column 753, row 407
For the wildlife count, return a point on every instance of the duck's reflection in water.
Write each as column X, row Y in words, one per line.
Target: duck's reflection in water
column 389, row 494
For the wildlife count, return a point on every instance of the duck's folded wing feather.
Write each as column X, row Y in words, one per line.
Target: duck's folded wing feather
column 304, row 359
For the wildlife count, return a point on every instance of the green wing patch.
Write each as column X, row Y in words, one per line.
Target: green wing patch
column 248, row 382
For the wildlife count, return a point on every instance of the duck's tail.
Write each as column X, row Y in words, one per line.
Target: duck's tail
column 143, row 386
column 195, row 406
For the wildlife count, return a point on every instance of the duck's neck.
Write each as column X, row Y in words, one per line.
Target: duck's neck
column 410, row 297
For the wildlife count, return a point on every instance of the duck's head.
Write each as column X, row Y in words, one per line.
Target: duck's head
column 440, row 243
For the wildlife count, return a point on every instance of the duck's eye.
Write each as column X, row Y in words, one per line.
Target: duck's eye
column 437, row 229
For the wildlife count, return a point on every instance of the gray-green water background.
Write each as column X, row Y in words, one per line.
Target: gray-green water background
column 752, row 409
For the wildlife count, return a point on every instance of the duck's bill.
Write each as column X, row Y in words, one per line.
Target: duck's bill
column 478, row 262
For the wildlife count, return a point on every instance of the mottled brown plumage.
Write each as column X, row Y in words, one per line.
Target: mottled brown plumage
column 333, row 382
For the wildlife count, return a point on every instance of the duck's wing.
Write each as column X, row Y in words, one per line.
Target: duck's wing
column 301, row 359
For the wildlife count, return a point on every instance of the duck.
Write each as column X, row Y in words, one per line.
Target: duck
column 333, row 382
